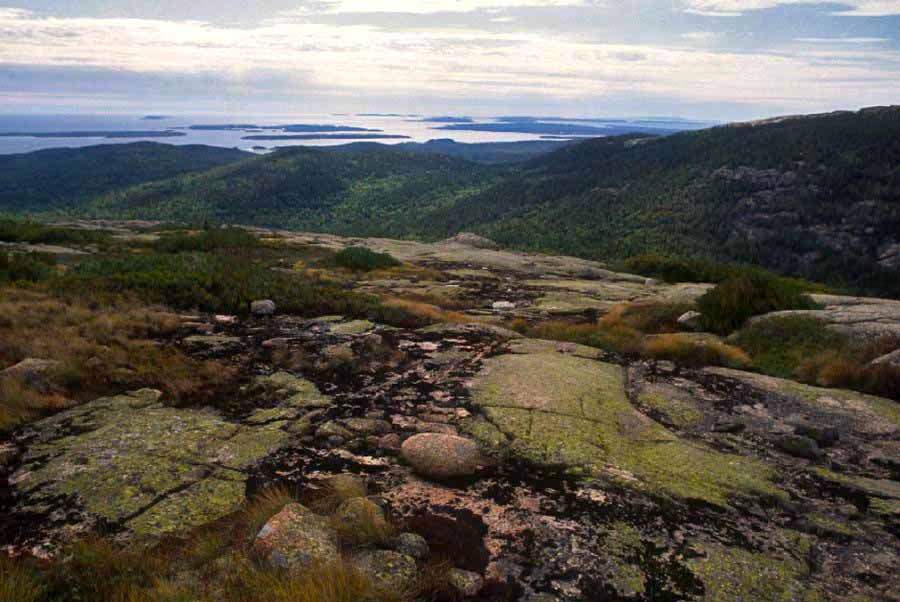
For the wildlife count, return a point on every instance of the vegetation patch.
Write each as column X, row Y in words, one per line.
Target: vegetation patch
column 206, row 240
column 726, row 307
column 361, row 259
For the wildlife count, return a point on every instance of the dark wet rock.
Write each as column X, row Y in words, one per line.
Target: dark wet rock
column 467, row 583
column 824, row 436
column 439, row 456
column 411, row 544
column 799, row 446
column 391, row 570
column 296, row 538
column 264, row 307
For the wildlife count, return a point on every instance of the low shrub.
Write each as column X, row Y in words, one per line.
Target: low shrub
column 30, row 232
column 361, row 259
column 673, row 270
column 206, row 240
column 730, row 304
column 33, row 267
column 779, row 345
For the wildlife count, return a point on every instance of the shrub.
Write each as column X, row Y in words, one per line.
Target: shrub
column 361, row 259
column 207, row 240
column 33, row 267
column 726, row 307
column 30, row 232
column 779, row 345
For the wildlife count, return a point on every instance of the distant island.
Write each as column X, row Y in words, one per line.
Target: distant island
column 155, row 117
column 301, row 127
column 95, row 134
column 448, row 120
column 325, row 137
column 555, row 128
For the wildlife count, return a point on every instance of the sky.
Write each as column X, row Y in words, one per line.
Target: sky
column 706, row 59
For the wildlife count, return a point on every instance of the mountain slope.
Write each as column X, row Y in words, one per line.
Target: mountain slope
column 66, row 178
column 359, row 190
column 817, row 196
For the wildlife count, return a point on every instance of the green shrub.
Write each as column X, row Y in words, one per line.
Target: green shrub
column 33, row 267
column 673, row 270
column 726, row 307
column 779, row 345
column 361, row 259
column 30, row 232
column 208, row 240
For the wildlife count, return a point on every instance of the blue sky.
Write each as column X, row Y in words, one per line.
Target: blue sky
column 711, row 59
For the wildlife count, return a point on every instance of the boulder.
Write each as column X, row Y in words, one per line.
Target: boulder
column 800, row 447
column 469, row 239
column 296, row 538
column 439, row 456
column 390, row 570
column 690, row 320
column 412, row 544
column 32, row 371
column 264, row 307
column 467, row 583
column 503, row 305
column 891, row 359
column 361, row 514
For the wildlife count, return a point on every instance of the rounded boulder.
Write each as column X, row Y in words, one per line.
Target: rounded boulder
column 439, row 456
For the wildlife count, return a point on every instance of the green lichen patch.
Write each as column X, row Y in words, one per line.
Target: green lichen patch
column 670, row 404
column 197, row 505
column 352, row 328
column 563, row 410
column 737, row 575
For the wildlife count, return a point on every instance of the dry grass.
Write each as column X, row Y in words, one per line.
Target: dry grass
column 258, row 511
column 18, row 583
column 337, row 490
column 693, row 351
column 427, row 311
column 648, row 318
column 102, row 350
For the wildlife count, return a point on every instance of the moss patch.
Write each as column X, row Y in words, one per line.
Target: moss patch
column 731, row 574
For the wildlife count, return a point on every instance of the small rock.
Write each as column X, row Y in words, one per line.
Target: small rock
column 503, row 305
column 362, row 513
column 650, row 282
column 690, row 321
column 891, row 359
column 332, row 429
column 799, row 446
column 32, row 371
column 367, row 426
column 391, row 441
column 440, row 456
column 728, row 425
column 471, row 239
column 295, row 538
column 822, row 435
column 388, row 569
column 466, row 583
column 412, row 544
column 8, row 452
column 275, row 343
column 265, row 307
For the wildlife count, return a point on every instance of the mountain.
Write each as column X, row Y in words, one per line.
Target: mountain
column 65, row 178
column 364, row 189
column 816, row 196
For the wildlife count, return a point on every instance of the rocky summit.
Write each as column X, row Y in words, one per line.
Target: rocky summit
column 528, row 468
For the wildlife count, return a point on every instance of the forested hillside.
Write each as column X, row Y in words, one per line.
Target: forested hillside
column 815, row 196
column 65, row 178
column 360, row 190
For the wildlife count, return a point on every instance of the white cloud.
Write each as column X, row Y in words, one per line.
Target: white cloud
column 359, row 60
column 841, row 40
column 433, row 6
column 700, row 36
column 734, row 8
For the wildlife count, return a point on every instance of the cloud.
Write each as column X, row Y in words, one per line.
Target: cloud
column 302, row 59
column 700, row 36
column 431, row 6
column 735, row 8
column 842, row 40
